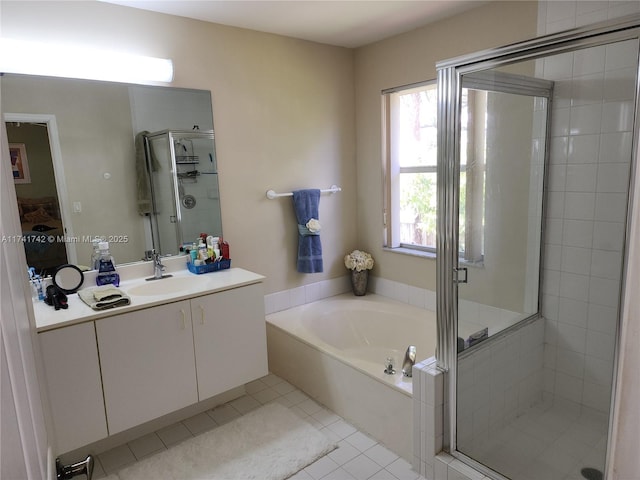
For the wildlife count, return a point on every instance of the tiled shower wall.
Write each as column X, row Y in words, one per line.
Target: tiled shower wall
column 590, row 152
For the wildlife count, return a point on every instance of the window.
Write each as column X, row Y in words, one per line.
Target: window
column 410, row 148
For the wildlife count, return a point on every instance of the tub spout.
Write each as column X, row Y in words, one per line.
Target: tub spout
column 409, row 361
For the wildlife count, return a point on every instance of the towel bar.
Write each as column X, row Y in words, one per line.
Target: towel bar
column 271, row 194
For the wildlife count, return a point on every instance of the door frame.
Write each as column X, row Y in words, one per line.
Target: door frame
column 58, row 172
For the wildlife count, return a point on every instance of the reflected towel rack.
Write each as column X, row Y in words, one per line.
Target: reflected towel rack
column 271, row 194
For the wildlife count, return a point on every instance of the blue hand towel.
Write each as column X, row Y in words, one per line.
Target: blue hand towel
column 305, row 204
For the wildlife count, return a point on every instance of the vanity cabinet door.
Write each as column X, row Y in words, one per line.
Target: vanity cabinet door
column 72, row 372
column 148, row 368
column 230, row 339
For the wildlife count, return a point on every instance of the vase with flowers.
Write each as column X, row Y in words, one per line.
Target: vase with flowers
column 359, row 263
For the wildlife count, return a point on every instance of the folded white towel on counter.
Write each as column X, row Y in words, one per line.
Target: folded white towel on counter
column 106, row 296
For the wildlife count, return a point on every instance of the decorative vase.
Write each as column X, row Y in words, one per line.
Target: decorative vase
column 359, row 282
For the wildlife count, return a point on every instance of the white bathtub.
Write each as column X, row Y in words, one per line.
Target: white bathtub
column 335, row 350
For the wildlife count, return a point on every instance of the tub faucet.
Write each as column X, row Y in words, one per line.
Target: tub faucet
column 409, row 361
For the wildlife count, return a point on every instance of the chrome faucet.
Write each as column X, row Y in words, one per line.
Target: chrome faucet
column 158, row 267
column 409, row 361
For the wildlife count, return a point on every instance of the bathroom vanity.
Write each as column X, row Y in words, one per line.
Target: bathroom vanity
column 178, row 343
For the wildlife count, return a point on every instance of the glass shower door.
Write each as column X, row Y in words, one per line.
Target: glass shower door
column 504, row 120
column 529, row 313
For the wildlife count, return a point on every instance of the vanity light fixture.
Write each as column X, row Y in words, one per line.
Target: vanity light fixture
column 72, row 61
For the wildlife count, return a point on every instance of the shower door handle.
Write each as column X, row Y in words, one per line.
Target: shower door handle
column 457, row 273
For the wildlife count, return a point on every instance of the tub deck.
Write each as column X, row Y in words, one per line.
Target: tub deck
column 341, row 364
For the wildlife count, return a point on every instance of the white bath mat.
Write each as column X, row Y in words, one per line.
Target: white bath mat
column 270, row 443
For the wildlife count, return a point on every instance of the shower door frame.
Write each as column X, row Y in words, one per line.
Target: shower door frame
column 449, row 77
column 170, row 136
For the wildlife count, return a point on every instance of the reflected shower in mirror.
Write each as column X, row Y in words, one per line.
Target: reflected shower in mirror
column 184, row 187
column 95, row 192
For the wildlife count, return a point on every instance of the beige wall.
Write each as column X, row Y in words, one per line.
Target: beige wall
column 283, row 111
column 405, row 59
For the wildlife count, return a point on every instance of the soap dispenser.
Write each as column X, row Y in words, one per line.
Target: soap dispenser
column 106, row 267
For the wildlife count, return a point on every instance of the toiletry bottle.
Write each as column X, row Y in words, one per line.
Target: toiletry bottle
column 95, row 253
column 106, row 267
column 202, row 251
column 210, row 245
column 224, row 250
column 36, row 284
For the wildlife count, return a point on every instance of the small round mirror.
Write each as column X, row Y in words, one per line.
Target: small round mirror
column 68, row 278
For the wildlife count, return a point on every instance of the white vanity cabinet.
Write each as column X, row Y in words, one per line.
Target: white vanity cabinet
column 109, row 371
column 147, row 363
column 73, row 383
column 229, row 334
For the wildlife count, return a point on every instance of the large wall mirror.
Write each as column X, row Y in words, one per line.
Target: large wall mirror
column 76, row 148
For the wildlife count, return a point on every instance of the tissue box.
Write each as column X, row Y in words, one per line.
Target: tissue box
column 223, row 264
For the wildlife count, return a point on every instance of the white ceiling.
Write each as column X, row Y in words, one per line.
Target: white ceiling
column 342, row 23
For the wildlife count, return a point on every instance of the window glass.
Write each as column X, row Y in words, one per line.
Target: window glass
column 411, row 137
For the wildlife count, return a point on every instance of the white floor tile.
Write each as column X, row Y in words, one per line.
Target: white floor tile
column 310, row 406
column 383, row 475
column 265, row 396
column 296, row 397
column 283, row 388
column 223, row 414
column 147, row 445
column 301, row 475
column 344, row 453
column 347, row 462
column 401, row 469
column 342, row 429
column 174, row 434
column 339, row 474
column 326, row 417
column 381, row 455
column 199, row 423
column 255, row 386
column 271, row 380
column 321, row 467
column 362, row 467
column 245, row 404
column 361, row 441
column 116, row 458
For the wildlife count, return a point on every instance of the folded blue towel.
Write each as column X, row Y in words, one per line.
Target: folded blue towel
column 305, row 204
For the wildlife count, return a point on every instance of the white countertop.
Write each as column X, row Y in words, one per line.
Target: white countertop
column 47, row 318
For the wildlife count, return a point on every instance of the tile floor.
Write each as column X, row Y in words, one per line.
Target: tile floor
column 358, row 456
column 549, row 441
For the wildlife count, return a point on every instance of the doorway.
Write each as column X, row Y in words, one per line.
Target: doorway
column 40, row 191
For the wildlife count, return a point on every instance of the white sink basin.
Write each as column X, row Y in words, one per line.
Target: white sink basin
column 164, row 286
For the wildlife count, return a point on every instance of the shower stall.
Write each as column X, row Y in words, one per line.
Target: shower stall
column 535, row 159
column 184, row 187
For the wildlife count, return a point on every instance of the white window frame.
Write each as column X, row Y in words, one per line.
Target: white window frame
column 474, row 195
column 393, row 170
